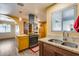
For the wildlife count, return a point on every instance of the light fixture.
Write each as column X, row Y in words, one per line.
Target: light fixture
column 20, row 19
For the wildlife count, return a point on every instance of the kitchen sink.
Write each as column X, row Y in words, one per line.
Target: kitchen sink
column 56, row 41
column 70, row 44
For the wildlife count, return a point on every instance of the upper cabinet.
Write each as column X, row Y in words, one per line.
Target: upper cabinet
column 64, row 20
column 31, row 18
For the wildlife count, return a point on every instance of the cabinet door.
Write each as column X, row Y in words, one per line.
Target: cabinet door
column 42, row 30
column 23, row 42
column 58, row 54
column 48, row 51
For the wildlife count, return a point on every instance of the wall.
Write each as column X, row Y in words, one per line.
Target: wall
column 12, row 34
column 20, row 23
column 53, row 9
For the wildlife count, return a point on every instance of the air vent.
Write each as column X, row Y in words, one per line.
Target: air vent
column 20, row 4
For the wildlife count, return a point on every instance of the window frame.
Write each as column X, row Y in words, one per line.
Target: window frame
column 6, row 28
column 75, row 15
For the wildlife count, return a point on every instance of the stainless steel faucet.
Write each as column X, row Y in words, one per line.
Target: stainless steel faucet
column 65, row 36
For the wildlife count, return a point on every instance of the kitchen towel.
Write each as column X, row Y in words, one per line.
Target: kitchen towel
column 76, row 24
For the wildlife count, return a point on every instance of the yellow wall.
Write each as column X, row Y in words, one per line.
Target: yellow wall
column 53, row 9
column 20, row 23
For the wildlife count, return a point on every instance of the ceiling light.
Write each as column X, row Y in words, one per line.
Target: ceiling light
column 20, row 19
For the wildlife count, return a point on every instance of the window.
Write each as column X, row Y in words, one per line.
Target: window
column 17, row 29
column 68, row 19
column 5, row 28
column 8, row 28
column 57, row 22
column 63, row 20
column 2, row 28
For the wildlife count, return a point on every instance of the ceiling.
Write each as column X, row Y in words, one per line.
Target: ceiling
column 22, row 11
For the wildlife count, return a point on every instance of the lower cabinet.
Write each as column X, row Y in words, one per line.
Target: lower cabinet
column 50, row 50
column 23, row 42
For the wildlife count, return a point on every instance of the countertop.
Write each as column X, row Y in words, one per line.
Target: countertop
column 75, row 50
column 22, row 35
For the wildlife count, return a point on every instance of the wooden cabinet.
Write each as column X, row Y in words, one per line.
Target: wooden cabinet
column 42, row 30
column 50, row 50
column 23, row 42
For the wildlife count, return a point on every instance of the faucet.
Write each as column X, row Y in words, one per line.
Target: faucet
column 65, row 35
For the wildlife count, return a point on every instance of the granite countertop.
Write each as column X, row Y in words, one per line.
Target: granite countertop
column 75, row 50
